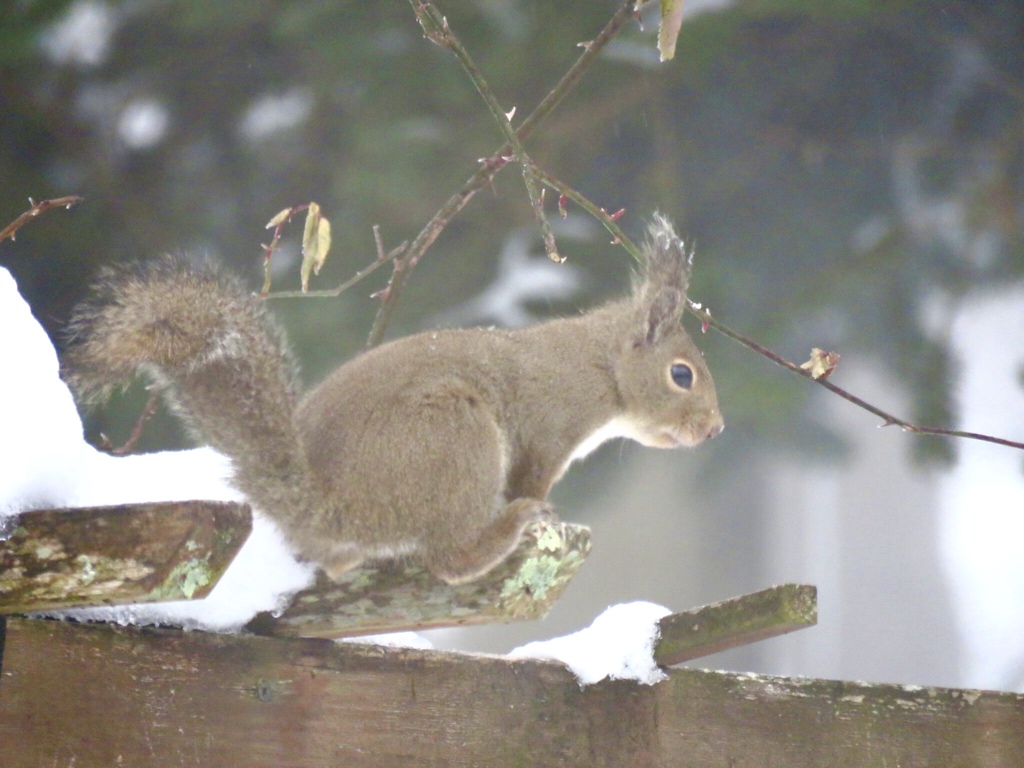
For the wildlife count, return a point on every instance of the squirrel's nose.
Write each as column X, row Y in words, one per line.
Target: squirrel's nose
column 716, row 429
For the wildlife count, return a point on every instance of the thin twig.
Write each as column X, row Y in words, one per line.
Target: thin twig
column 608, row 219
column 706, row 319
column 591, row 50
column 495, row 162
column 378, row 241
column 381, row 260
column 281, row 220
column 137, row 430
column 389, row 296
column 888, row 419
column 11, row 230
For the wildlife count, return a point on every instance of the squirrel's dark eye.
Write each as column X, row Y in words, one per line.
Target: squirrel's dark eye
column 682, row 375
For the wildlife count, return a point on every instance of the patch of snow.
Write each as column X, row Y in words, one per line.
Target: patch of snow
column 46, row 463
column 619, row 645
column 42, row 452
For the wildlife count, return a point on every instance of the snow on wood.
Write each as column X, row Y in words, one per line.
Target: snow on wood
column 618, row 645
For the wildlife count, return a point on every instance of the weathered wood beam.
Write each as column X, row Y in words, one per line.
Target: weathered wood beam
column 403, row 596
column 133, row 553
column 139, row 553
column 103, row 696
column 734, row 622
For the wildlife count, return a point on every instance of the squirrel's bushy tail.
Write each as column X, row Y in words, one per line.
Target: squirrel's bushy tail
column 223, row 365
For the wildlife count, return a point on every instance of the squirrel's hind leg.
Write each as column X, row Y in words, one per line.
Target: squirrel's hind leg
column 467, row 562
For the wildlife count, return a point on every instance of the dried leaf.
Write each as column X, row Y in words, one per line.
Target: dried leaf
column 668, row 29
column 280, row 218
column 324, row 244
column 316, row 241
column 821, row 364
column 312, row 222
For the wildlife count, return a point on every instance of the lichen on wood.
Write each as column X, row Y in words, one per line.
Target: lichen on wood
column 117, row 555
column 398, row 596
column 738, row 621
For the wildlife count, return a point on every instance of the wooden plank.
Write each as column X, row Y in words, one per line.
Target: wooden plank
column 734, row 622
column 400, row 596
column 105, row 696
column 133, row 553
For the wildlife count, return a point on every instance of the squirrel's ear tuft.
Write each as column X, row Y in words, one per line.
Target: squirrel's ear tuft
column 660, row 287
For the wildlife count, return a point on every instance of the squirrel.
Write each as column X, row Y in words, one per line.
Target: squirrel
column 441, row 446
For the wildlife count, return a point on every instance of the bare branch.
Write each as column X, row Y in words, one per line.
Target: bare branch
column 436, row 28
column 608, row 219
column 382, row 259
column 278, row 223
column 888, row 419
column 495, row 162
column 379, row 242
column 11, row 230
column 137, row 430
column 389, row 298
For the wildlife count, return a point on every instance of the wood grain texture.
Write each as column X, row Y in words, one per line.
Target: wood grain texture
column 99, row 696
column 132, row 553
